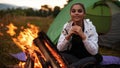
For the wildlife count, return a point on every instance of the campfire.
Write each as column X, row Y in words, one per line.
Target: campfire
column 40, row 51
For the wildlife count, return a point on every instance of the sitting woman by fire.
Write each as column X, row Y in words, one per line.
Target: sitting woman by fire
column 78, row 39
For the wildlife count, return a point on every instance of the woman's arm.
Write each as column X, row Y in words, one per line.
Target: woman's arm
column 91, row 41
column 63, row 41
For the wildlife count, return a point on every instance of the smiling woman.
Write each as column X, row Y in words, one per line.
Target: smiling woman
column 36, row 3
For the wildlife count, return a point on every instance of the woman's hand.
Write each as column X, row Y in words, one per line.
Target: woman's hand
column 78, row 31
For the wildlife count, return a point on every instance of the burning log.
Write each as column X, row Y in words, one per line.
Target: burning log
column 30, row 62
column 43, row 62
column 49, row 51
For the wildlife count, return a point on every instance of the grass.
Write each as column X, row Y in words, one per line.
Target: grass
column 8, row 46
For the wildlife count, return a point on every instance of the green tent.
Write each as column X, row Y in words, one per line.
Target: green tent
column 99, row 13
column 104, row 14
column 112, row 38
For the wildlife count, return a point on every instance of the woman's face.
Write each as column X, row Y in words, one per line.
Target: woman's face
column 77, row 13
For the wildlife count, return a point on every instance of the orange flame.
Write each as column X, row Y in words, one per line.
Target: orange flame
column 25, row 42
column 26, row 37
column 11, row 29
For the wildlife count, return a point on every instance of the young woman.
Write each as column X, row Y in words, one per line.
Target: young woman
column 78, row 40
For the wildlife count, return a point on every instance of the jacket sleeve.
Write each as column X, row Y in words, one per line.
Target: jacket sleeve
column 91, row 42
column 62, row 42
